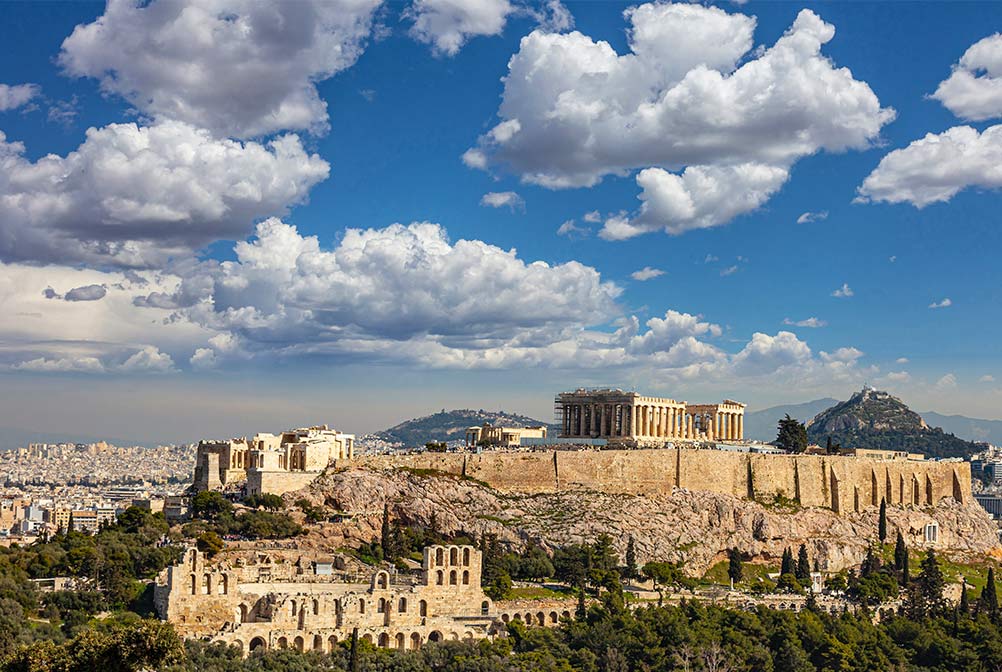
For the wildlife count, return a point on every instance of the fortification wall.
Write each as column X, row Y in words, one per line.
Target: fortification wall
column 838, row 482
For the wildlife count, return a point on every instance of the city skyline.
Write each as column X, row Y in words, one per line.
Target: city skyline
column 360, row 212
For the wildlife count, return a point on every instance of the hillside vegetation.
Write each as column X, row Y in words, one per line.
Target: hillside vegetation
column 875, row 419
column 449, row 426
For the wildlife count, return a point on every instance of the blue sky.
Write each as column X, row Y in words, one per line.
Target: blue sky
column 199, row 133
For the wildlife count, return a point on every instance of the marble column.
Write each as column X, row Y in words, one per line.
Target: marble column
column 741, row 426
column 731, row 426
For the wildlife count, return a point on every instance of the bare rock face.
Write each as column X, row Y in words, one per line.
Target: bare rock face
column 695, row 528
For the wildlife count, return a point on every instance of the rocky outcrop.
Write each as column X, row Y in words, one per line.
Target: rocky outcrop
column 693, row 527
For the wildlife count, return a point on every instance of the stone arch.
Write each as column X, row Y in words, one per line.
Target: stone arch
column 528, row 618
column 439, row 556
column 402, row 605
column 415, row 641
column 452, row 577
column 485, row 608
column 517, row 617
column 466, row 557
column 257, row 644
column 318, row 643
column 541, row 618
column 439, row 578
column 283, row 643
column 468, row 636
column 423, row 608
column 224, row 584
column 382, row 580
column 566, row 614
column 194, row 585
column 384, row 641
column 243, row 612
column 435, row 636
column 453, row 555
column 401, row 641
column 454, row 636
column 505, row 618
column 316, row 606
column 554, row 618
column 361, row 606
column 367, row 637
column 194, row 559
column 331, row 643
column 298, row 643
column 466, row 577
column 239, row 644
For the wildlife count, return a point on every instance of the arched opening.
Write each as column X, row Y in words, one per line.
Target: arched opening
column 194, row 585
column 401, row 641
column 466, row 577
column 298, row 643
column 453, row 556
column 566, row 614
column 454, row 636
column 439, row 578
column 194, row 559
column 415, row 641
column 240, row 645
column 435, row 636
column 402, row 606
column 439, row 556
column 422, row 608
column 243, row 613
column 361, row 606
column 381, row 606
column 318, row 643
column 316, row 607
column 452, row 578
column 283, row 643
column 258, row 644
column 383, row 580
column 554, row 619
column 223, row 584
column 466, row 556
column 206, row 584
column 528, row 619
column 505, row 618
column 485, row 608
column 367, row 638
column 331, row 643
column 384, row 641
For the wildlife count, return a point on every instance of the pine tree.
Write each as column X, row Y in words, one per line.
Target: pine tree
column 803, row 566
column 630, row 570
column 988, row 602
column 735, row 568
column 871, row 564
column 792, row 436
column 931, row 583
column 882, row 524
column 787, row 566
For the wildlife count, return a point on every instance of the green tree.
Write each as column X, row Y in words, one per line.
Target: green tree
column 787, row 565
column 210, row 505
column 803, row 571
column 630, row 570
column 900, row 552
column 209, row 543
column 792, row 436
column 988, row 602
column 882, row 522
column 735, row 567
column 965, row 603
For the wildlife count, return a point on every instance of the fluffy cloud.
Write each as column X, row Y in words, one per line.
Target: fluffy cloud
column 86, row 293
column 809, row 217
column 974, row 89
column 135, row 196
column 646, row 273
column 570, row 228
column 449, row 24
column 843, row 292
column 716, row 138
column 241, row 68
column 147, row 360
column 810, row 323
column 936, row 167
column 13, row 97
column 947, row 382
column 503, row 199
column 945, row 303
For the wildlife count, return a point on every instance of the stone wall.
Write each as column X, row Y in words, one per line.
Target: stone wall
column 842, row 483
column 260, row 481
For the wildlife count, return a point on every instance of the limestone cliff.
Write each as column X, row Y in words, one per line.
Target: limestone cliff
column 691, row 526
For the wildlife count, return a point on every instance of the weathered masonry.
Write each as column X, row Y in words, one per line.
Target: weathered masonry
column 628, row 417
column 842, row 483
column 268, row 603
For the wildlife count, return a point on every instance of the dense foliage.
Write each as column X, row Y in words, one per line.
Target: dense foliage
column 214, row 513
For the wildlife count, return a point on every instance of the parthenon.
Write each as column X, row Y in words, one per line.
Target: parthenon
column 628, row 417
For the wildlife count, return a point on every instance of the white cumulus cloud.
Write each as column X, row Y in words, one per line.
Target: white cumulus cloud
column 843, row 292
column 646, row 273
column 712, row 125
column 240, row 68
column 944, row 303
column 133, row 196
column 809, row 217
column 810, row 323
column 17, row 95
column 973, row 90
column 503, row 199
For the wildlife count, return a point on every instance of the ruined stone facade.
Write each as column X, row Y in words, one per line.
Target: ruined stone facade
column 489, row 436
column 274, row 463
column 841, row 483
column 632, row 419
column 269, row 603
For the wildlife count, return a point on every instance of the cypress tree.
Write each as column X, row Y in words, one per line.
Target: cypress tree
column 905, row 578
column 353, row 655
column 630, row 571
column 965, row 605
column 931, row 584
column 581, row 610
column 988, row 603
column 882, row 524
column 803, row 565
column 735, row 568
column 899, row 553
column 787, row 566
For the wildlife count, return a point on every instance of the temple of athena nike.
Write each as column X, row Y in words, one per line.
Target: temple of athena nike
column 630, row 418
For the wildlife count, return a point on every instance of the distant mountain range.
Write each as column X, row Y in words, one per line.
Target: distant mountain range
column 447, row 426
